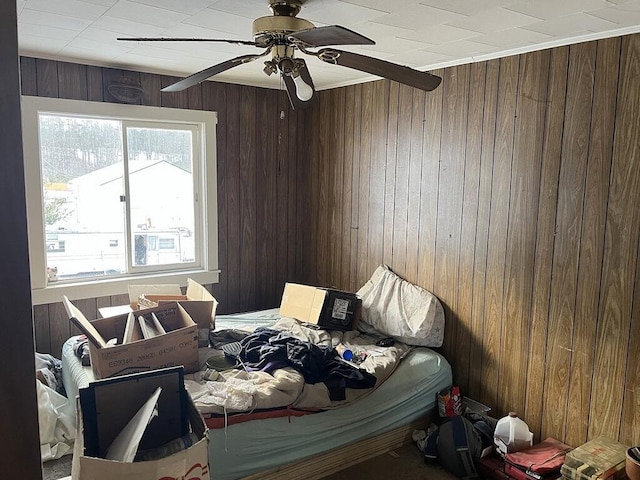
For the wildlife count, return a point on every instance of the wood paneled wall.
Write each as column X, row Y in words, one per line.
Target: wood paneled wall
column 261, row 158
column 512, row 193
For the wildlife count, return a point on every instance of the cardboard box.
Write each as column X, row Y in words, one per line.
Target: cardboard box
column 197, row 301
column 191, row 462
column 599, row 459
column 179, row 346
column 329, row 309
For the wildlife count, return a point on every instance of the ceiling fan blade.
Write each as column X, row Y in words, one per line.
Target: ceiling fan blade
column 210, row 72
column 292, row 88
column 331, row 35
column 392, row 71
column 185, row 39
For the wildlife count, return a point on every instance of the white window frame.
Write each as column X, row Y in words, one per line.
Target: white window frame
column 43, row 292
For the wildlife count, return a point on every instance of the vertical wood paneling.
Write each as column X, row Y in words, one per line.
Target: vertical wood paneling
column 390, row 173
column 337, row 252
column 452, row 172
column 304, row 157
column 379, row 115
column 401, row 196
column 467, row 342
column 41, row 328
column 151, row 86
column 363, row 270
column 28, row 76
column 525, row 183
column 517, row 172
column 307, row 175
column 498, row 219
column 265, row 186
column 630, row 422
column 283, row 194
column 293, row 134
column 620, row 256
column 476, row 352
column 59, row 327
column 214, row 99
column 247, row 157
column 94, row 84
column 346, row 119
column 232, row 160
column 415, row 185
column 332, row 174
column 47, row 78
column 568, row 227
column 547, row 201
column 173, row 99
column 320, row 182
column 194, row 97
column 355, row 188
column 429, row 187
column 592, row 239
column 72, row 81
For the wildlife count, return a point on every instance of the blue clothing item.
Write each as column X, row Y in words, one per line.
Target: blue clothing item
column 267, row 349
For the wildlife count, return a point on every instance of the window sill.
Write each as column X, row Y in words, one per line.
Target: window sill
column 117, row 286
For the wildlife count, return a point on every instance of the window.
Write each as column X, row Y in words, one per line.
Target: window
column 118, row 192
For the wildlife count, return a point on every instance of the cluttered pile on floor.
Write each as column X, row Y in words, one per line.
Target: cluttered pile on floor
column 473, row 444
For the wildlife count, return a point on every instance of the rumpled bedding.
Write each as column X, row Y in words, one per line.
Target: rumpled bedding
column 247, row 389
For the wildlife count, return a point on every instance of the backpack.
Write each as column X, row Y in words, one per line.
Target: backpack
column 457, row 444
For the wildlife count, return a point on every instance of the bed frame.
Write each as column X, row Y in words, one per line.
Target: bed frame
column 338, row 459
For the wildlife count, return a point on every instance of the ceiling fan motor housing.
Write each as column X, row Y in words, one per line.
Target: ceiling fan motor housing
column 279, row 25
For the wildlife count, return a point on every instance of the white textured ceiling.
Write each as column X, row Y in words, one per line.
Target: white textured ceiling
column 423, row 34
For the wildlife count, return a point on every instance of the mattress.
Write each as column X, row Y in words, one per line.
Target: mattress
column 243, row 449
column 247, row 448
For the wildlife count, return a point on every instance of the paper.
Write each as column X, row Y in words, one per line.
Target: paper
column 125, row 445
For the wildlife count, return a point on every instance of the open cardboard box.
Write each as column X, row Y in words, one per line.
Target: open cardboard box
column 178, row 346
column 330, row 309
column 109, row 400
column 197, row 301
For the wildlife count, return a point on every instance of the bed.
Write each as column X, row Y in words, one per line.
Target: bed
column 286, row 440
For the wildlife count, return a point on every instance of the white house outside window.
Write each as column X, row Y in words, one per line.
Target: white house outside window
column 118, row 194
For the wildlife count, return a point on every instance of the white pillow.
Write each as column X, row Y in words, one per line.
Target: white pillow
column 397, row 308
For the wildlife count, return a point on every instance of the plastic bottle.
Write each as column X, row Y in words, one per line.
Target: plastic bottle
column 344, row 352
column 512, row 434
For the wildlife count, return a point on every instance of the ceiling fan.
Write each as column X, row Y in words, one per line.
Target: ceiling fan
column 281, row 34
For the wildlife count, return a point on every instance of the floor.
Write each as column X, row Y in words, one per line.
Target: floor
column 57, row 469
column 406, row 463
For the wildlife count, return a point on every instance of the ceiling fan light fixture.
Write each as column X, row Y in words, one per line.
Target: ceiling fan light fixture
column 303, row 91
column 269, row 68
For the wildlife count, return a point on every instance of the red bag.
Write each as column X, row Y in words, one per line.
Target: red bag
column 544, row 457
column 449, row 401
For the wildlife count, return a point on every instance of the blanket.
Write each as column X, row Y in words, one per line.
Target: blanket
column 304, row 371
